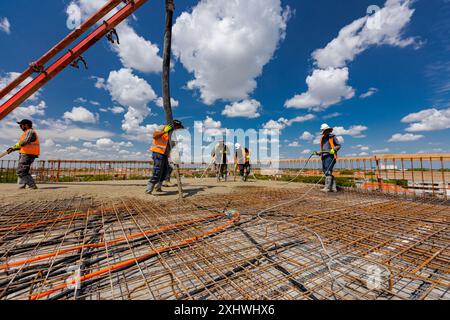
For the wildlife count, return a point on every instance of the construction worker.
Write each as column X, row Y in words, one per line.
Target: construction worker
column 219, row 156
column 329, row 146
column 242, row 159
column 161, row 151
column 29, row 149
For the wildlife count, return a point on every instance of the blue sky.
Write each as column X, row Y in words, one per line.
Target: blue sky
column 285, row 65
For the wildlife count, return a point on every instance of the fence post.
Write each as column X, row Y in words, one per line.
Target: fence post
column 379, row 178
column 444, row 183
column 58, row 171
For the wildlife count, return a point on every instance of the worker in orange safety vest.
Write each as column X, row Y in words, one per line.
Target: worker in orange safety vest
column 29, row 149
column 161, row 148
column 329, row 146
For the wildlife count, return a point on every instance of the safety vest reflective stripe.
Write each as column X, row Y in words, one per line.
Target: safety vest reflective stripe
column 33, row 148
column 160, row 144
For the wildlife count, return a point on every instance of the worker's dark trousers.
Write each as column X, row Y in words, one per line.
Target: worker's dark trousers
column 24, row 168
column 160, row 168
column 222, row 170
column 328, row 163
column 244, row 169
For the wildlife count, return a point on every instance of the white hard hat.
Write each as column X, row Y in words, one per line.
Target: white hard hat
column 325, row 127
column 237, row 145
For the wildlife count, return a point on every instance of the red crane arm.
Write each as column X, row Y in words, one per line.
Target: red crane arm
column 38, row 65
column 65, row 60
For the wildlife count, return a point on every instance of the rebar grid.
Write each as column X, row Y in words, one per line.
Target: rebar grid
column 382, row 247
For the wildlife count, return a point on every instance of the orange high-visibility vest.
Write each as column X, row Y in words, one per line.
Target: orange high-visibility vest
column 33, row 148
column 247, row 156
column 160, row 144
column 333, row 146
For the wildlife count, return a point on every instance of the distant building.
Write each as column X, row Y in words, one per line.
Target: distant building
column 388, row 167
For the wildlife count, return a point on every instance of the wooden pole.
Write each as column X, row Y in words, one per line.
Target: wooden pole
column 170, row 8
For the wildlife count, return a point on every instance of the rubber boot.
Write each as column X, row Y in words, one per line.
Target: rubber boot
column 333, row 185
column 159, row 187
column 150, row 188
column 33, row 187
column 21, row 184
column 328, row 183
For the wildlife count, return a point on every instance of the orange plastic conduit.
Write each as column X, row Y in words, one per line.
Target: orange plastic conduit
column 138, row 259
column 103, row 244
column 67, row 217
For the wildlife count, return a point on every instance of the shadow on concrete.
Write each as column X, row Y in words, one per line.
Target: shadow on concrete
column 102, row 184
column 187, row 191
column 51, row 188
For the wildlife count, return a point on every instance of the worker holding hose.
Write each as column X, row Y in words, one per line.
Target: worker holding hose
column 161, row 152
column 29, row 149
column 329, row 146
column 219, row 156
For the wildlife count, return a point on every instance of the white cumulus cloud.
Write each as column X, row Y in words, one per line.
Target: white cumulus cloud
column 282, row 123
column 30, row 111
column 307, row 136
column 5, row 25
column 428, row 120
column 327, row 85
column 81, row 114
column 325, row 88
column 160, row 102
column 210, row 127
column 386, row 27
column 407, row 137
column 244, row 109
column 356, row 131
column 117, row 110
column 226, row 44
column 369, row 93
column 134, row 93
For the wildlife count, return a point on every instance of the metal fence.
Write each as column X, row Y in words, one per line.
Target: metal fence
column 427, row 174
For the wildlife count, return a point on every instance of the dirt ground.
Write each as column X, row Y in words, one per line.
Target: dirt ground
column 134, row 189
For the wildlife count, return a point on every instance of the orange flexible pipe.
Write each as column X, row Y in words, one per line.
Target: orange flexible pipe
column 67, row 217
column 103, row 244
column 138, row 259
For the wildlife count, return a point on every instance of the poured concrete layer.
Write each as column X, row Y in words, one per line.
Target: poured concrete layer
column 135, row 189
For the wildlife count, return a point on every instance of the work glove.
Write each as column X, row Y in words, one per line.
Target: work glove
column 168, row 128
column 332, row 152
column 16, row 146
column 316, row 153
